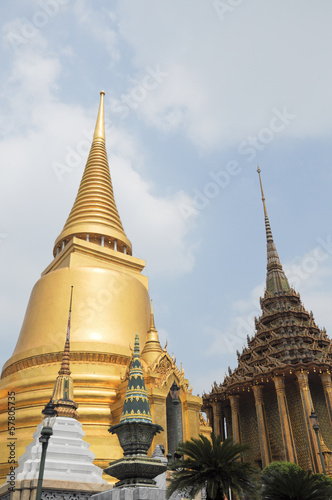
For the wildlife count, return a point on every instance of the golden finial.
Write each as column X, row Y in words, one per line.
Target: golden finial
column 100, row 127
column 263, row 197
column 152, row 325
column 63, row 395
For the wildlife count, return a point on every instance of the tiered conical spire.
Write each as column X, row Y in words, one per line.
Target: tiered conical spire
column 136, row 406
column 94, row 216
column 63, row 395
column 152, row 347
column 276, row 280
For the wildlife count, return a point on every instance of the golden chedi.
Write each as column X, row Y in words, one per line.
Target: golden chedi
column 111, row 303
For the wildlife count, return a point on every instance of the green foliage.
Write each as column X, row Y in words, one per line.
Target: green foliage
column 287, row 481
column 213, row 465
column 282, row 467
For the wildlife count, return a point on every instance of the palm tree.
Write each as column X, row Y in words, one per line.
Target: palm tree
column 212, row 465
column 287, row 481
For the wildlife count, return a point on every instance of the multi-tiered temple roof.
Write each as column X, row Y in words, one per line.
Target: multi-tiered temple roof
column 286, row 337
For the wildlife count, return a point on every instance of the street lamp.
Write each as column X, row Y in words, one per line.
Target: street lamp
column 174, row 392
column 314, row 422
column 50, row 414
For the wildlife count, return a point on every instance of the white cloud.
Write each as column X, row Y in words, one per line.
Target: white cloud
column 227, row 76
column 97, row 23
column 154, row 223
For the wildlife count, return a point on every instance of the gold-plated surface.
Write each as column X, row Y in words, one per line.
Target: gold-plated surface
column 110, row 306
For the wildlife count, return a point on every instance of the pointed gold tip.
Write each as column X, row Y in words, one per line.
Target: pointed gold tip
column 152, row 324
column 263, row 197
column 100, row 126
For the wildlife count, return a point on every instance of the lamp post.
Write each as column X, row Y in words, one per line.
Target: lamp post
column 50, row 414
column 174, row 392
column 314, row 422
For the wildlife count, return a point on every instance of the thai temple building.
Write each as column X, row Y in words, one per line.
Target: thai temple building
column 110, row 304
column 283, row 374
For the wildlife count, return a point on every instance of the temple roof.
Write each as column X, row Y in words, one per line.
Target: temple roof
column 286, row 338
column 94, row 212
column 136, row 406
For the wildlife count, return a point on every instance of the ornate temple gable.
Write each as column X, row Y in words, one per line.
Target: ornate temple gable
column 164, row 367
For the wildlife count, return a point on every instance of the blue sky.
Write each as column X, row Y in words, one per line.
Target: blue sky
column 197, row 94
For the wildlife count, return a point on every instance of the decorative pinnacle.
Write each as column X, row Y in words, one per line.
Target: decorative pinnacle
column 276, row 280
column 65, row 370
column 136, row 404
column 63, row 397
column 269, row 236
column 100, row 126
column 152, row 325
column 263, row 197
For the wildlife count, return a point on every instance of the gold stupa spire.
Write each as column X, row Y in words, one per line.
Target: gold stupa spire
column 94, row 216
column 63, row 395
column 276, row 280
column 152, row 347
column 100, row 127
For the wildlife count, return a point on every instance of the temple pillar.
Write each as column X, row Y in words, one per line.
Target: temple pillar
column 209, row 415
column 307, row 407
column 327, row 386
column 286, row 428
column 262, row 427
column 218, row 424
column 235, row 409
column 228, row 421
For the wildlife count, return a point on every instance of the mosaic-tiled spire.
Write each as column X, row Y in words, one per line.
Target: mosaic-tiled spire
column 276, row 280
column 136, row 406
column 63, row 395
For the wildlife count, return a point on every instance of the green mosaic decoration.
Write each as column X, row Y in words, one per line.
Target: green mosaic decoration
column 135, row 433
column 136, row 404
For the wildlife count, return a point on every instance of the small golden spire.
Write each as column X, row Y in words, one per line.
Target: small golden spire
column 63, row 396
column 152, row 325
column 94, row 216
column 152, row 347
column 263, row 197
column 100, row 125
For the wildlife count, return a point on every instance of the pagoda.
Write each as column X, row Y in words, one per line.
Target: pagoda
column 93, row 254
column 283, row 374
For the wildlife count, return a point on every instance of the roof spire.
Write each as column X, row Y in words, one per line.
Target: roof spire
column 94, row 216
column 100, row 125
column 276, row 280
column 152, row 347
column 63, row 396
